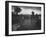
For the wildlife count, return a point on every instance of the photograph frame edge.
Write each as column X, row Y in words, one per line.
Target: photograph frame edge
column 6, row 17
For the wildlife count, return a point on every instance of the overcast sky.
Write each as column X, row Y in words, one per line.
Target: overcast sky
column 28, row 10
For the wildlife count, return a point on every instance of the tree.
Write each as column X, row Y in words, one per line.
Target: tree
column 17, row 9
column 32, row 13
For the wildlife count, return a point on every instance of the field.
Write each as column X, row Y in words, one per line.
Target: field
column 26, row 22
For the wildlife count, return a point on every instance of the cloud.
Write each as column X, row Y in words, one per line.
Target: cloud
column 26, row 10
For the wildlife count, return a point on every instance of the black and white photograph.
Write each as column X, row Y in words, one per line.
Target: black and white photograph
column 25, row 18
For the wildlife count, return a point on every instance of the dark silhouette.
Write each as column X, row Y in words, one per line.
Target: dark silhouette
column 16, row 9
column 15, row 16
column 32, row 13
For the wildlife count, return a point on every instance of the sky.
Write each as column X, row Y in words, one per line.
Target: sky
column 28, row 10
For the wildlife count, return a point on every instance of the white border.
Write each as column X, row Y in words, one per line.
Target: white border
column 29, row 31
